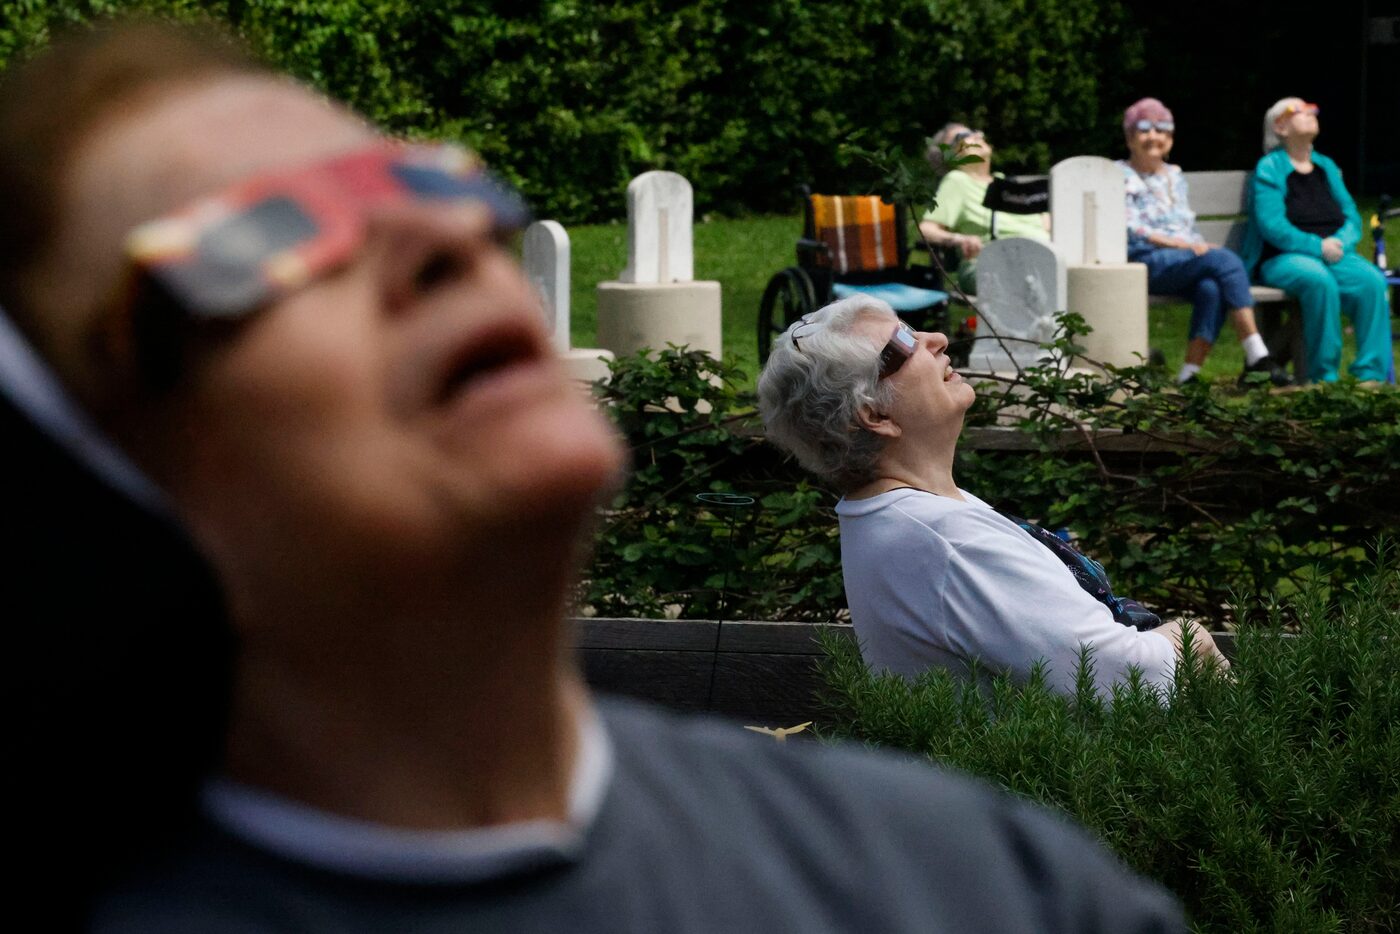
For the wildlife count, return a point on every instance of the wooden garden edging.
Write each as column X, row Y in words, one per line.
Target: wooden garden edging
column 763, row 673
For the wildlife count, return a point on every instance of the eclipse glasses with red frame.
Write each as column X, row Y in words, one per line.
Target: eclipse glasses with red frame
column 229, row 254
column 1302, row 107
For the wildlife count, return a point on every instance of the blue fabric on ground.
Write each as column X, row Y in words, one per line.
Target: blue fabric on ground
column 901, row 297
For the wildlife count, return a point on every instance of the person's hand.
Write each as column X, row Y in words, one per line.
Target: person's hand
column 1202, row 644
column 970, row 245
column 1200, row 249
column 1332, row 249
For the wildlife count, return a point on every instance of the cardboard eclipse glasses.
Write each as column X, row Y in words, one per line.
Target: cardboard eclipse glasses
column 900, row 347
column 227, row 255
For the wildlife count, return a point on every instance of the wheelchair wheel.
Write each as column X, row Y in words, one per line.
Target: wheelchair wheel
column 788, row 297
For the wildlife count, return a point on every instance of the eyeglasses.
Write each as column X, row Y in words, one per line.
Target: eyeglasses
column 1302, row 107
column 899, row 348
column 227, row 255
column 807, row 325
column 962, row 135
column 224, row 257
column 1161, row 126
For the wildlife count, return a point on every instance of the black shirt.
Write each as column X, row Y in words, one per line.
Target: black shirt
column 1309, row 206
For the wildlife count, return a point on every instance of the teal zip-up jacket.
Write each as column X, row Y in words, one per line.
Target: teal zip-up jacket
column 1268, row 216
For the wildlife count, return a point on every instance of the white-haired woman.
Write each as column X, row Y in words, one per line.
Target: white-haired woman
column 934, row 576
column 1302, row 236
column 959, row 220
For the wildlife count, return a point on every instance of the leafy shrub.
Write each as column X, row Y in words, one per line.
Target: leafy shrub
column 1269, row 801
column 1252, row 493
column 692, row 433
column 1256, row 493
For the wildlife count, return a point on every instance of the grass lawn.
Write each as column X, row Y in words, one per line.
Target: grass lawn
column 742, row 254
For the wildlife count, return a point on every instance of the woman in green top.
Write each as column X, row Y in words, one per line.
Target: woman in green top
column 959, row 220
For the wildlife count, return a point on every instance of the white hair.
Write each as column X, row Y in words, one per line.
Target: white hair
column 1272, row 140
column 810, row 396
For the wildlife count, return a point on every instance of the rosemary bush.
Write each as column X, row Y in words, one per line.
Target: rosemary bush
column 1268, row 801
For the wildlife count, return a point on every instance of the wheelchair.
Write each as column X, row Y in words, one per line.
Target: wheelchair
column 856, row 244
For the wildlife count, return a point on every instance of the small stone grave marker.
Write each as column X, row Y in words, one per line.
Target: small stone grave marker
column 1021, row 287
column 1088, row 219
column 546, row 259
column 660, row 210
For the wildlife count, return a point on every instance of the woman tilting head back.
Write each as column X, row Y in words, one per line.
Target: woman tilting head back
column 319, row 449
column 1302, row 237
column 960, row 219
column 934, row 576
column 813, row 389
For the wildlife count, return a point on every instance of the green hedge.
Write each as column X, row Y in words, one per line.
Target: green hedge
column 746, row 99
column 1267, row 802
column 1270, row 493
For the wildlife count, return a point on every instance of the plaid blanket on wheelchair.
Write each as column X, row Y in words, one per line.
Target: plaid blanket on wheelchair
column 858, row 230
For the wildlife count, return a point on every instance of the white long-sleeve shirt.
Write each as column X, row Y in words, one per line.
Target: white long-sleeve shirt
column 932, row 580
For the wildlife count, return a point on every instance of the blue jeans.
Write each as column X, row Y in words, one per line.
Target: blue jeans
column 1352, row 287
column 1215, row 282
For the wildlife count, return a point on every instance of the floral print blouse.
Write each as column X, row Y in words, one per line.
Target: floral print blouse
column 1157, row 203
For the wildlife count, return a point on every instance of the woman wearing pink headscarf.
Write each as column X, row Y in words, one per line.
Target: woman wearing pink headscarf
column 1162, row 235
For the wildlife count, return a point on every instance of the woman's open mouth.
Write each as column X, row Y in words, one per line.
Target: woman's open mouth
column 485, row 356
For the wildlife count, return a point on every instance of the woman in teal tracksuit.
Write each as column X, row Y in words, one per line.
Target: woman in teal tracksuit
column 1302, row 236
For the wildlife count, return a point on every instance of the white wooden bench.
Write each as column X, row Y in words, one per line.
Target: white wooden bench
column 1218, row 198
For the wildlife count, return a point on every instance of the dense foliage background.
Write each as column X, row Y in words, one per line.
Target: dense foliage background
column 746, row 99
column 750, row 98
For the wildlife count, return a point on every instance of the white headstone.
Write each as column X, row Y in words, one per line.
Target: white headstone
column 1088, row 219
column 546, row 258
column 660, row 209
column 1021, row 286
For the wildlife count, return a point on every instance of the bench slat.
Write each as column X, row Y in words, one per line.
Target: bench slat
column 1217, row 193
column 1229, row 234
column 1262, row 295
